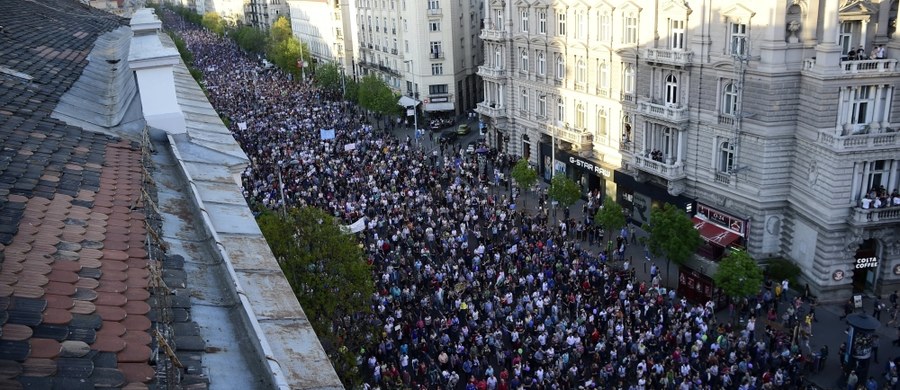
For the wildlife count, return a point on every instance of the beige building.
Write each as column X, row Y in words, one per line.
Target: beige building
column 759, row 119
column 429, row 49
column 322, row 26
column 262, row 13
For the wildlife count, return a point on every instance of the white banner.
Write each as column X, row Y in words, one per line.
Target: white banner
column 242, row 126
column 355, row 227
column 349, row 147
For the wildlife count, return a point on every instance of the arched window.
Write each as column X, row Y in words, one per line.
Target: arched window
column 628, row 79
column 560, row 67
column 729, row 99
column 560, row 111
column 726, row 157
column 580, row 72
column 542, row 64
column 603, row 75
column 498, row 58
column 524, row 64
column 602, row 123
column 579, row 116
column 671, row 90
column 524, row 100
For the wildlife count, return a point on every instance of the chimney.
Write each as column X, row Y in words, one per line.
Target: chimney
column 152, row 65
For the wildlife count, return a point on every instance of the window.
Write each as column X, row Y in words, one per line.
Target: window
column 560, row 22
column 524, row 106
column 726, row 157
column 579, row 116
column 524, row 64
column 580, row 25
column 604, row 33
column 436, row 49
column 861, row 105
column 602, row 123
column 542, row 64
column 437, row 69
column 542, row 106
column 524, row 20
column 580, row 72
column 437, row 89
column 542, row 21
column 879, row 174
column 729, row 99
column 628, row 79
column 738, row 39
column 560, row 67
column 434, row 4
column 626, row 128
column 498, row 58
column 560, row 111
column 671, row 90
column 845, row 37
column 676, row 34
column 603, row 75
column 434, row 26
column 499, row 19
column 630, row 34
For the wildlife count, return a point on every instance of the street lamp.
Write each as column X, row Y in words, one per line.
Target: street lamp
column 281, row 166
column 412, row 68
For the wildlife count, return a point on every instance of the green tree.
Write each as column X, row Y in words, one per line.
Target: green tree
column 524, row 175
column 375, row 96
column 739, row 275
column 610, row 216
column 672, row 234
column 564, row 190
column 328, row 77
column 285, row 54
column 250, row 39
column 281, row 29
column 352, row 88
column 327, row 271
column 213, row 22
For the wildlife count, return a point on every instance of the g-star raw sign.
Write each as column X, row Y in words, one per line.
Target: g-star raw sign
column 867, row 262
column 588, row 166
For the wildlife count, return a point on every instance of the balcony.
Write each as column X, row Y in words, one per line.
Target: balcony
column 492, row 110
column 874, row 217
column 437, row 56
column 434, row 12
column 888, row 65
column 860, row 142
column 394, row 51
column 603, row 92
column 578, row 137
column 627, row 97
column 669, row 172
column 491, row 72
column 670, row 57
column 662, row 111
column 725, row 119
column 493, row 35
column 723, row 178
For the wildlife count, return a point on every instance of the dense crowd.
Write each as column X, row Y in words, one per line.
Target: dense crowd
column 472, row 292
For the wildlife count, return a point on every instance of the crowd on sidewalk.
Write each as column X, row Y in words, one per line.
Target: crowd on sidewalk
column 473, row 291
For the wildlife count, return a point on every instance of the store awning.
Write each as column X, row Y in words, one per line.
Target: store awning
column 714, row 234
column 439, row 107
column 407, row 101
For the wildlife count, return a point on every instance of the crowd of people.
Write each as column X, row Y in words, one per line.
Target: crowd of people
column 472, row 291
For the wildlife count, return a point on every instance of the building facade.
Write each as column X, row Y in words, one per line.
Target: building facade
column 321, row 25
column 263, row 13
column 429, row 50
column 762, row 121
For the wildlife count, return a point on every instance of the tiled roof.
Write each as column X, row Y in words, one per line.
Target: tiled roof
column 74, row 275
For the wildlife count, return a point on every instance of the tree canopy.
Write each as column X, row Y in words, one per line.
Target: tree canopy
column 374, row 95
column 328, row 77
column 213, row 22
column 332, row 281
column 739, row 275
column 524, row 175
column 672, row 234
column 281, row 29
column 250, row 39
column 564, row 190
column 610, row 216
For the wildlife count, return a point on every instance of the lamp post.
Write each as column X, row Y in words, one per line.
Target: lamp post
column 281, row 166
column 343, row 83
column 412, row 69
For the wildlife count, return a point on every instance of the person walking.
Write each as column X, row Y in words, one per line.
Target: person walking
column 852, row 380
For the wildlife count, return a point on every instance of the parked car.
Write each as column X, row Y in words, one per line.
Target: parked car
column 463, row 129
column 448, row 136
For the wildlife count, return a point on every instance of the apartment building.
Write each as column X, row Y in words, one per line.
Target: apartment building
column 761, row 120
column 321, row 25
column 429, row 49
column 262, row 13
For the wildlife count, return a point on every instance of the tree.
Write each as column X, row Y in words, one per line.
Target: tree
column 564, row 190
column 250, row 39
column 610, row 216
column 374, row 95
column 328, row 77
column 281, row 29
column 285, row 54
column 327, row 272
column 672, row 234
column 352, row 89
column 213, row 22
column 739, row 275
column 524, row 175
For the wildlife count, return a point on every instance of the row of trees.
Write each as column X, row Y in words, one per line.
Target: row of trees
column 671, row 232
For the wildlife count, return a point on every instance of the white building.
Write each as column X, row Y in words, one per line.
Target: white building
column 429, row 49
column 755, row 117
column 321, row 25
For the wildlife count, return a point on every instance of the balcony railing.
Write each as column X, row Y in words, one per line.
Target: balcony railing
column 493, row 35
column 723, row 178
column 672, row 57
column 661, row 169
column 488, row 71
column 627, row 97
column 664, row 112
column 602, row 92
column 437, row 56
column 434, row 12
column 855, row 142
column 725, row 119
column 888, row 215
column 579, row 137
column 858, row 66
column 625, row 146
column 492, row 110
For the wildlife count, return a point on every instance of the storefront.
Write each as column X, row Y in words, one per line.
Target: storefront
column 719, row 231
column 865, row 267
column 638, row 198
column 590, row 174
column 699, row 288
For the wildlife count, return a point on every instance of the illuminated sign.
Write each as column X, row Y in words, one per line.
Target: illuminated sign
column 866, row 262
column 589, row 166
column 724, row 220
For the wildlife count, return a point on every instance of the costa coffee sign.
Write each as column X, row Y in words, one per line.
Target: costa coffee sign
column 724, row 220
